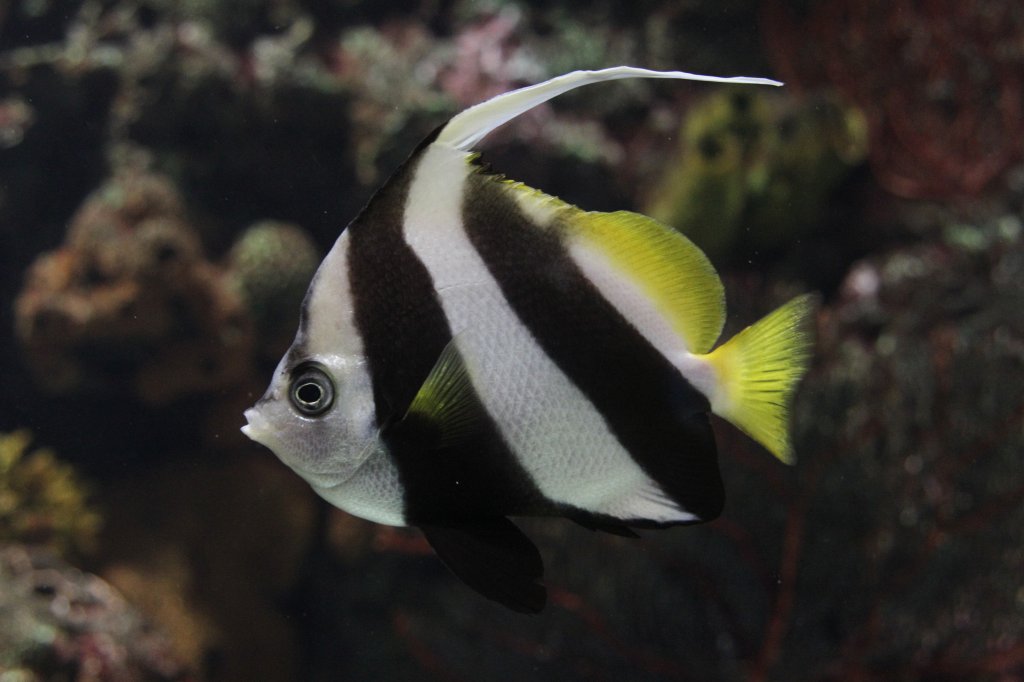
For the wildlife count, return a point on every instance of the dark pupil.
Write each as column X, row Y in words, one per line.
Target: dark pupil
column 309, row 393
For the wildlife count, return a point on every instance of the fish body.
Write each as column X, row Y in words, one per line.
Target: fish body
column 472, row 349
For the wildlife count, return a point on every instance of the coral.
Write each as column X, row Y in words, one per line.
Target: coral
column 42, row 501
column 757, row 168
column 489, row 58
column 911, row 497
column 58, row 623
column 128, row 301
column 941, row 83
column 16, row 116
column 155, row 78
column 197, row 113
column 390, row 74
column 209, row 550
column 235, row 22
column 722, row 144
column 497, row 50
column 271, row 265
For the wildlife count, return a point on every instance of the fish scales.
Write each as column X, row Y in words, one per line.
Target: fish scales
column 557, row 434
column 617, row 372
column 472, row 349
column 400, row 318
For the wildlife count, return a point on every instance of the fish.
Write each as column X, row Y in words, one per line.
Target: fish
column 473, row 350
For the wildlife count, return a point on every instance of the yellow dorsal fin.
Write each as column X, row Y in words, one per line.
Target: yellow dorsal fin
column 758, row 371
column 673, row 273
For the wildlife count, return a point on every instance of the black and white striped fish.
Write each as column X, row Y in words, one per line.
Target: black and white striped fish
column 473, row 349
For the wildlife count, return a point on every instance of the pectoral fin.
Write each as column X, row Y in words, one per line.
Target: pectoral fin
column 493, row 557
column 445, row 405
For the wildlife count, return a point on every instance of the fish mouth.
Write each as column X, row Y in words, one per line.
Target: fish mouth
column 259, row 430
column 254, row 427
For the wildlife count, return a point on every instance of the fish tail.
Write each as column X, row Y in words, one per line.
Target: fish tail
column 757, row 373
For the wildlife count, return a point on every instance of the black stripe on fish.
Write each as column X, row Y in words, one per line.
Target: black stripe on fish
column 404, row 331
column 398, row 317
column 657, row 416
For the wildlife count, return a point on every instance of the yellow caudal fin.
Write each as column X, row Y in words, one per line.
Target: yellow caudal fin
column 758, row 370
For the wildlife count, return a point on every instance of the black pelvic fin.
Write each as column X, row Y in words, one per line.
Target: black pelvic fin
column 493, row 557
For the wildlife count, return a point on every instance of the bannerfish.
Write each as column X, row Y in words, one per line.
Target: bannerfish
column 472, row 349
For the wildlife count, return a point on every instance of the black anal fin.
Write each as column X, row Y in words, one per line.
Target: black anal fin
column 605, row 525
column 493, row 557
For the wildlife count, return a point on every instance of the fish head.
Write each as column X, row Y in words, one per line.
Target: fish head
column 317, row 416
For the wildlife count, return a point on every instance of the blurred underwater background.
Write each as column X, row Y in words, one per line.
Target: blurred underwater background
column 171, row 174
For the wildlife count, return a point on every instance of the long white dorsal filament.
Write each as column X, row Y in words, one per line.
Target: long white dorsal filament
column 467, row 128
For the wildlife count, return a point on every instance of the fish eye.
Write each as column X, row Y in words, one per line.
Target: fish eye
column 312, row 391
